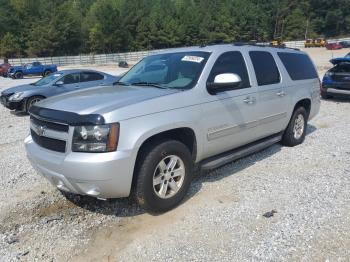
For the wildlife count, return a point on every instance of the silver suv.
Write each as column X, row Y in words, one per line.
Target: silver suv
column 173, row 112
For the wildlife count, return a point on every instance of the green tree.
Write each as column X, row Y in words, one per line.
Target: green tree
column 9, row 46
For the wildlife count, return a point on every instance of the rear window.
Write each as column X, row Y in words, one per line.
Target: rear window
column 265, row 68
column 299, row 66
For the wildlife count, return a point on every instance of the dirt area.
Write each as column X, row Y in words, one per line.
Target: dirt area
column 222, row 218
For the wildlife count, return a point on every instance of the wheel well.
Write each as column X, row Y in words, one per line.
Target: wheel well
column 306, row 103
column 184, row 135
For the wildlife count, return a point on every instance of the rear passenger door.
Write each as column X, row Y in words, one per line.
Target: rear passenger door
column 272, row 106
column 230, row 119
column 91, row 79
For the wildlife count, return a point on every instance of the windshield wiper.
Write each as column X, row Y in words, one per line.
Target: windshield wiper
column 120, row 83
column 149, row 84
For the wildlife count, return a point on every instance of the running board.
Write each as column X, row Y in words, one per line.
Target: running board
column 227, row 157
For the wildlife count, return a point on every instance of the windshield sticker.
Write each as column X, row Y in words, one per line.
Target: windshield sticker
column 195, row 59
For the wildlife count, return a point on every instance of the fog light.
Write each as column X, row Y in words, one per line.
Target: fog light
column 93, row 192
column 60, row 185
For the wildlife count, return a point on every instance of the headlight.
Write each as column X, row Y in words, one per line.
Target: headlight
column 328, row 74
column 16, row 96
column 95, row 139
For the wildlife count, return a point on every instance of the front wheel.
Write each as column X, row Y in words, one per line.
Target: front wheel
column 18, row 75
column 32, row 101
column 324, row 95
column 164, row 175
column 296, row 129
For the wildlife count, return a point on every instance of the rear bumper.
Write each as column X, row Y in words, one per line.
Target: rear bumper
column 100, row 175
column 12, row 105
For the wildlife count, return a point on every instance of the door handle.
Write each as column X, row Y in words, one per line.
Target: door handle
column 249, row 100
column 281, row 94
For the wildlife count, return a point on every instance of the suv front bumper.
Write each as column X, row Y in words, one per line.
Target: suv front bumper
column 336, row 90
column 100, row 175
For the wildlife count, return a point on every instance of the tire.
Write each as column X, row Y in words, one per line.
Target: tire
column 31, row 101
column 47, row 72
column 18, row 75
column 296, row 129
column 325, row 95
column 152, row 196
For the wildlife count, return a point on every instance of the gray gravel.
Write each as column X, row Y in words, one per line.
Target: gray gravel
column 222, row 219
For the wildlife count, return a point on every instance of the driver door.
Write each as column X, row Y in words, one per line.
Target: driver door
column 71, row 82
column 230, row 119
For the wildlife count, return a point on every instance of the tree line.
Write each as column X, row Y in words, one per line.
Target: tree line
column 70, row 27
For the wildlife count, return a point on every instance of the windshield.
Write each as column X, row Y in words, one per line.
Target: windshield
column 48, row 79
column 171, row 70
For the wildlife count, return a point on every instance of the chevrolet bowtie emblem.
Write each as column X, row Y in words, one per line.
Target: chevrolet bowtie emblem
column 41, row 130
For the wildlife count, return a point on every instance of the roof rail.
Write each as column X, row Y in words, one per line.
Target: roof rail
column 247, row 44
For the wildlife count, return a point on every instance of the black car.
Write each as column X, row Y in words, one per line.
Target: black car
column 123, row 64
column 336, row 81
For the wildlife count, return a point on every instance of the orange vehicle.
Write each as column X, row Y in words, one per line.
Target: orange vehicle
column 320, row 42
column 309, row 43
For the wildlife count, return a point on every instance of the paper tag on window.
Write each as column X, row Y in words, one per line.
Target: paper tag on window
column 195, row 59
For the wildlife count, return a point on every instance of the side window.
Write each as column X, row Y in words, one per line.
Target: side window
column 299, row 66
column 90, row 76
column 265, row 68
column 71, row 79
column 36, row 63
column 231, row 62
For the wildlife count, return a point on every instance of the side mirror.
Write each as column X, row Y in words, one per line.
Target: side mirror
column 59, row 83
column 224, row 82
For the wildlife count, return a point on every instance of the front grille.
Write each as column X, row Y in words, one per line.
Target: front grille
column 49, row 135
column 50, row 125
column 49, row 143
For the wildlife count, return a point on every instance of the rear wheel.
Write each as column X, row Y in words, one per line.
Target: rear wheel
column 18, row 75
column 32, row 101
column 296, row 129
column 164, row 175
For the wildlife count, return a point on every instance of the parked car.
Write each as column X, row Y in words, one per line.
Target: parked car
column 345, row 44
column 123, row 64
column 4, row 68
column 24, row 96
column 309, row 43
column 34, row 69
column 336, row 81
column 320, row 42
column 196, row 106
column 334, row 46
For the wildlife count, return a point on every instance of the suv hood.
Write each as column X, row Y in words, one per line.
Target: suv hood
column 100, row 100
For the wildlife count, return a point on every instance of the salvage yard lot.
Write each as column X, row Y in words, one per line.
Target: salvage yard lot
column 221, row 219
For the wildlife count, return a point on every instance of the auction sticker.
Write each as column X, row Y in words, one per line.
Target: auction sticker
column 195, row 59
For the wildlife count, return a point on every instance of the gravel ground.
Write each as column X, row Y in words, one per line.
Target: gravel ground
column 305, row 190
